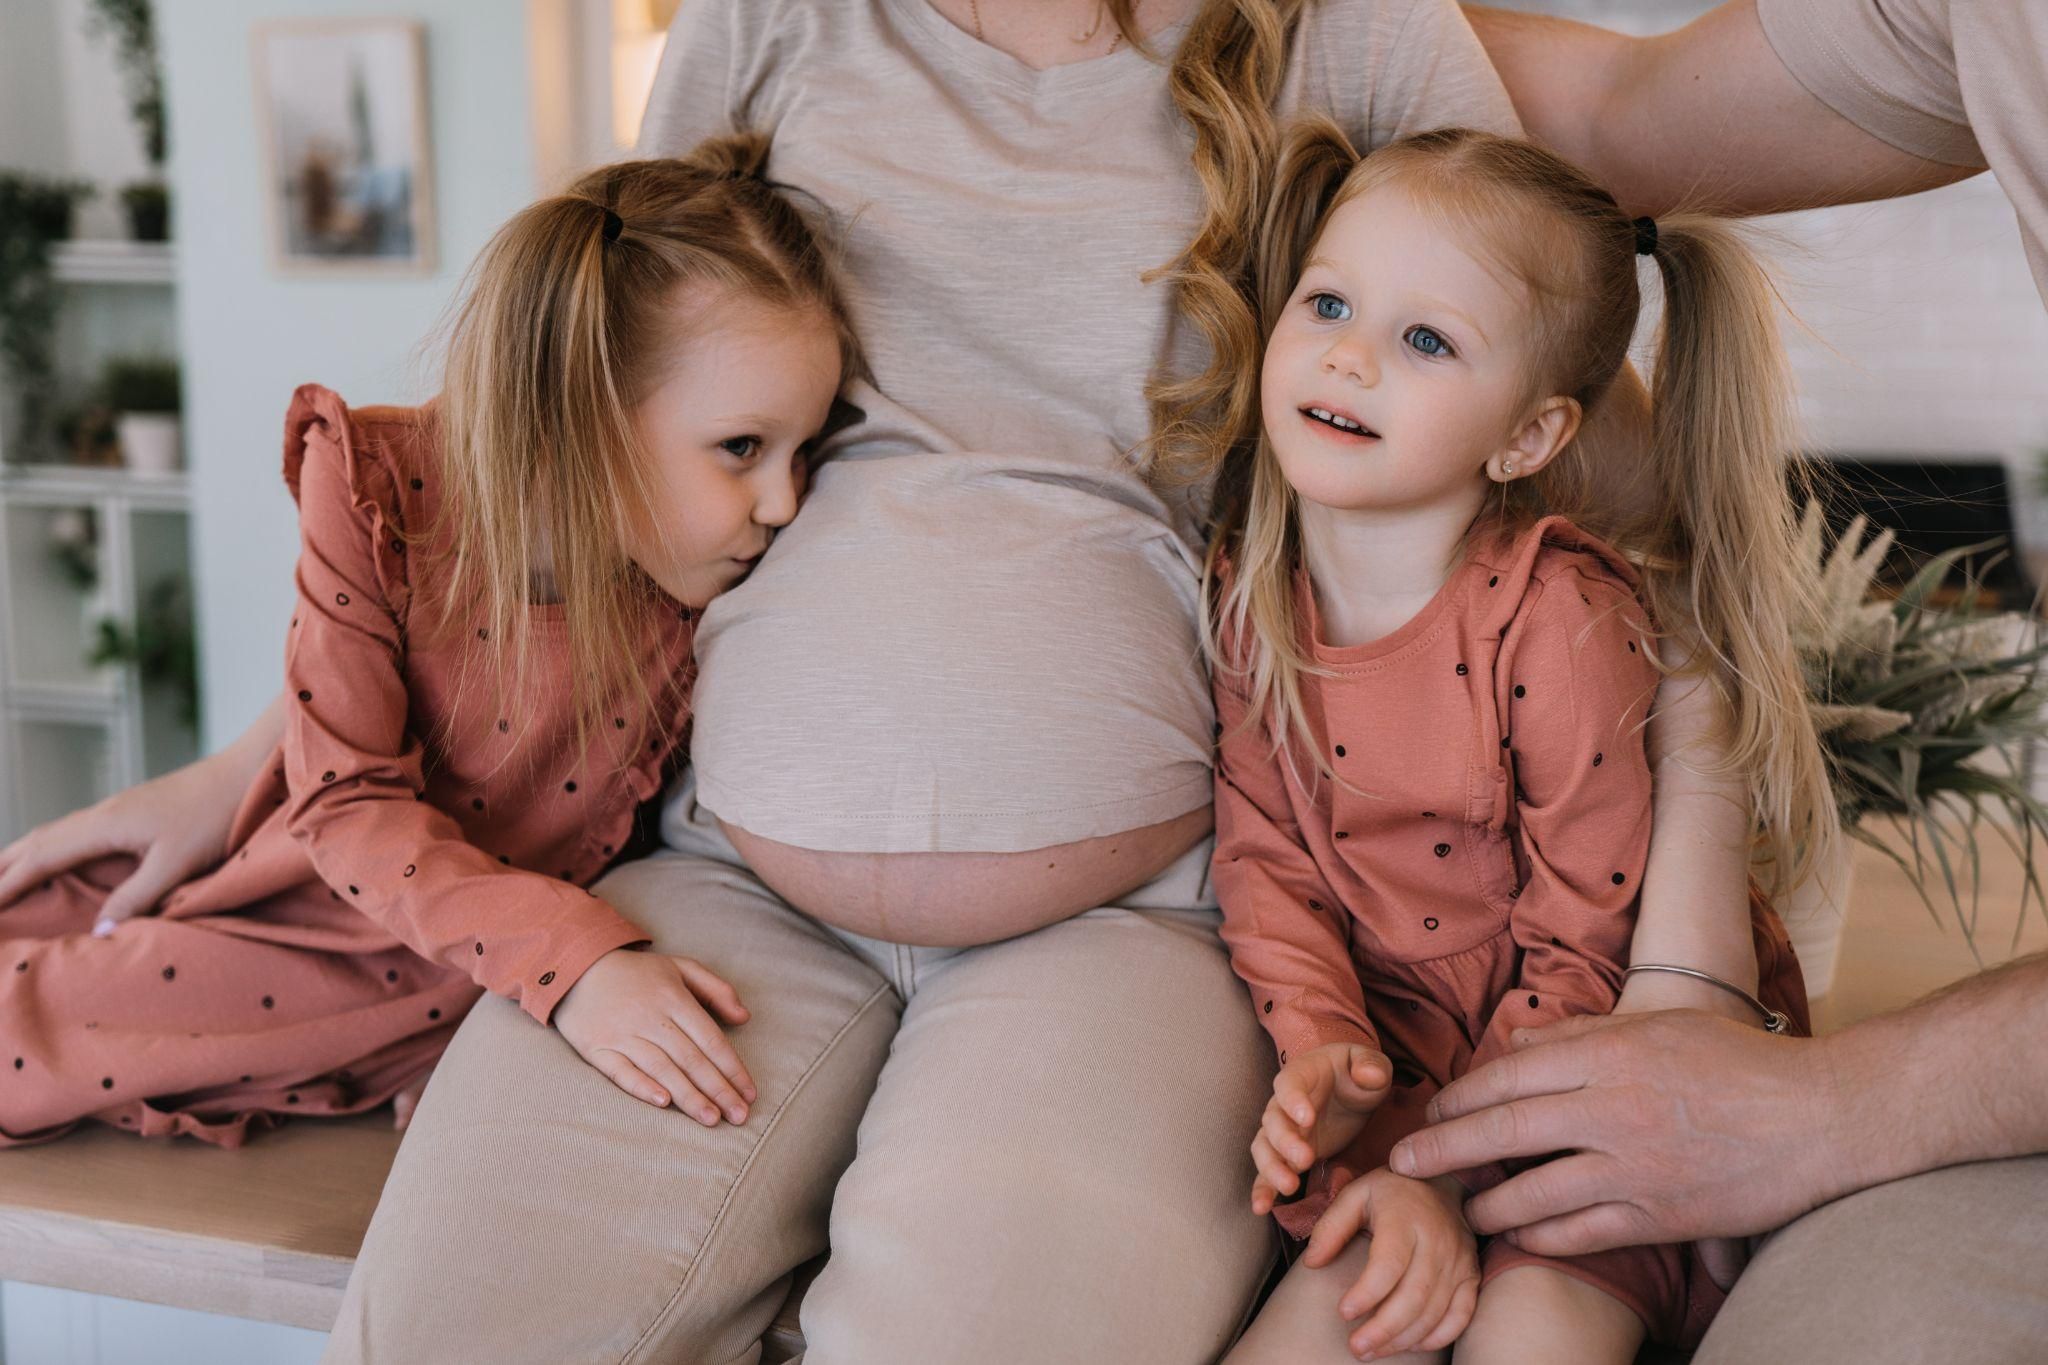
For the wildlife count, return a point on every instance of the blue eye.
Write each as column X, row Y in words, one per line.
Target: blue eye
column 740, row 447
column 1329, row 307
column 1428, row 342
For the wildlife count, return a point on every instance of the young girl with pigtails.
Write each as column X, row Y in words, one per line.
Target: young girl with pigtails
column 1436, row 638
column 487, row 679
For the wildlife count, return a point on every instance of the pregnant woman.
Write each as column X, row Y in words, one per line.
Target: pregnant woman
column 947, row 830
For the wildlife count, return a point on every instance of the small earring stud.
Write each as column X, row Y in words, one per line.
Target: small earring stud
column 1507, row 467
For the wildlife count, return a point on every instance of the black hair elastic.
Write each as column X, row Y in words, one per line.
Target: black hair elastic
column 1646, row 236
column 613, row 226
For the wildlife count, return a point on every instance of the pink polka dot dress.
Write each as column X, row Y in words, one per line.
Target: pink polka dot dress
column 412, row 843
column 1476, row 868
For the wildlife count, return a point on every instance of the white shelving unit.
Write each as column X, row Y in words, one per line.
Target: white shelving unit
column 71, row 732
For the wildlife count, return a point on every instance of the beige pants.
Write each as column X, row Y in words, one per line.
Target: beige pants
column 1030, row 1151
column 1949, row 1266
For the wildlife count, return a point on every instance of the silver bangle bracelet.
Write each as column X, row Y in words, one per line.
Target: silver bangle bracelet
column 1775, row 1021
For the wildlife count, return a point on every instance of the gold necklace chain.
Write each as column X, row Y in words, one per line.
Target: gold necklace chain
column 1101, row 12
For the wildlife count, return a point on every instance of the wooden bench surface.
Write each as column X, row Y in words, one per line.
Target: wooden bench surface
column 267, row 1231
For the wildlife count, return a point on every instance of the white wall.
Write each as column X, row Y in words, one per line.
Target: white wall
column 249, row 337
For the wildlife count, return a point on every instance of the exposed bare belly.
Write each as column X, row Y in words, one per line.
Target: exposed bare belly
column 957, row 899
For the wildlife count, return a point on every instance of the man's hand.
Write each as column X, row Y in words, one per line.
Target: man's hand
column 1677, row 1125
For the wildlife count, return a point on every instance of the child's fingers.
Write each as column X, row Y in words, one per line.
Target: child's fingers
column 701, row 1029
column 695, row 1021
column 1292, row 1096
column 627, row 1077
column 1385, row 1264
column 714, row 990
column 649, row 1056
column 1336, row 1227
column 709, row 1081
column 1272, row 1168
column 1395, row 1312
column 1287, row 1140
column 1439, row 1281
column 1366, row 1078
column 1457, row 1317
column 1264, row 1196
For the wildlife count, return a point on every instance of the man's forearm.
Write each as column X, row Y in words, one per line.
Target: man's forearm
column 1559, row 72
column 1959, row 1076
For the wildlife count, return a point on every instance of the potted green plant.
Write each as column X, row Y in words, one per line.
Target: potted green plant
column 144, row 396
column 35, row 213
column 132, row 25
column 1929, row 715
column 162, row 647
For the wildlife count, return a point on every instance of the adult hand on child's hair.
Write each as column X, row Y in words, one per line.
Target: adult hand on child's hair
column 1321, row 1100
column 1421, row 1277
column 640, row 1018
column 175, row 827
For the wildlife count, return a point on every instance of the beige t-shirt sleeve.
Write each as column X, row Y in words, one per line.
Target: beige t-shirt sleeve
column 1886, row 66
column 1963, row 83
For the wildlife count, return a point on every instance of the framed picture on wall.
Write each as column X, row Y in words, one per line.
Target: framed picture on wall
column 342, row 109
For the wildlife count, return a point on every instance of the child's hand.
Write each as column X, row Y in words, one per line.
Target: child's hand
column 1421, row 1277
column 1321, row 1099
column 637, row 1018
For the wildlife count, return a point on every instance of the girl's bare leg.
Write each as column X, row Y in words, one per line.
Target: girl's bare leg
column 1533, row 1315
column 1300, row 1325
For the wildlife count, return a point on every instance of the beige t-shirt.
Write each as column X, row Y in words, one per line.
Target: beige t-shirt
column 979, row 635
column 1962, row 83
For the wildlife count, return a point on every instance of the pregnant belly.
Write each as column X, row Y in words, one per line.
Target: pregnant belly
column 957, row 899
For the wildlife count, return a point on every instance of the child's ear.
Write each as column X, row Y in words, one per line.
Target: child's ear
column 1546, row 431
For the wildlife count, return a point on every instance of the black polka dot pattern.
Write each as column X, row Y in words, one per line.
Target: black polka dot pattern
column 170, row 973
column 547, row 978
column 1619, row 879
column 1532, row 1002
column 305, row 695
column 1493, row 581
column 1342, row 834
column 1462, row 670
column 1443, row 850
column 270, row 1002
column 1598, row 759
column 391, row 975
column 417, row 485
column 1269, row 1007
column 1340, row 751
column 106, row 1082
column 410, row 869
column 433, row 1014
column 1430, row 923
column 479, row 950
column 327, row 776
column 568, row 786
column 341, row 599
column 1521, row 691
column 19, row 1062
column 355, row 891
column 1429, row 815
column 504, row 727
